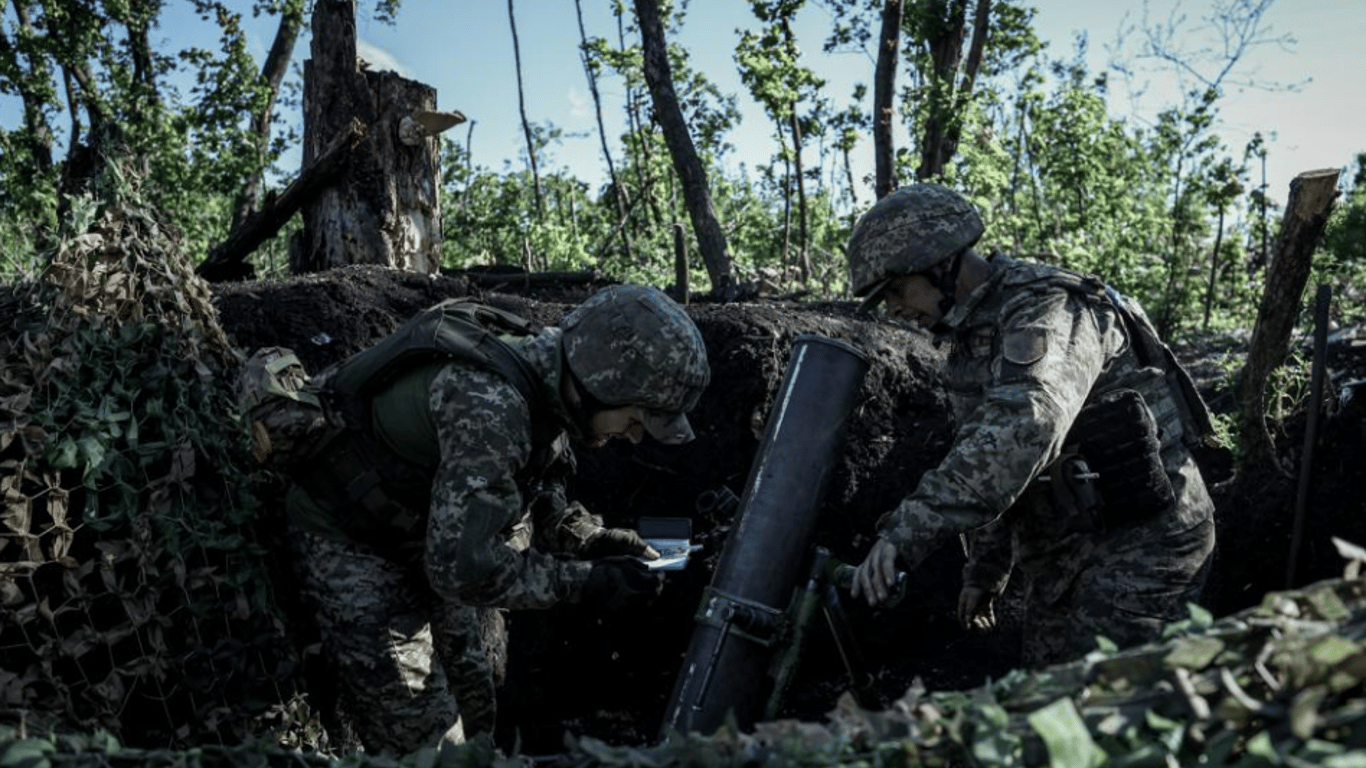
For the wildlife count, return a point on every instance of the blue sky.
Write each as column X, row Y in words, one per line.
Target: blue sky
column 464, row 49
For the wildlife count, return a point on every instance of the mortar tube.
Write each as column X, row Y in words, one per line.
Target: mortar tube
column 726, row 670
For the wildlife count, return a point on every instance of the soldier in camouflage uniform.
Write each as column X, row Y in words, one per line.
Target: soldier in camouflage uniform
column 1071, row 459
column 441, row 500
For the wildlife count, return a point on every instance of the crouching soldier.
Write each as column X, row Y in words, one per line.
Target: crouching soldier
column 1070, row 461
column 434, row 492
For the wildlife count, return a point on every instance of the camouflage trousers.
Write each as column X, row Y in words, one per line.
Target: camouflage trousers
column 413, row 670
column 1133, row 586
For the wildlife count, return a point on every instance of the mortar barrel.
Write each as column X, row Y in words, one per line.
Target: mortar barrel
column 726, row 667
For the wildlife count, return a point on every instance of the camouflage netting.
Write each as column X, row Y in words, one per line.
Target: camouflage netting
column 134, row 596
column 1278, row 684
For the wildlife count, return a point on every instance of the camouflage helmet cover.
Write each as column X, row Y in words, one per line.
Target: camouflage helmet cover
column 910, row 230
column 632, row 345
column 281, row 412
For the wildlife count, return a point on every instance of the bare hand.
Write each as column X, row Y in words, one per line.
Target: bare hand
column 976, row 611
column 876, row 575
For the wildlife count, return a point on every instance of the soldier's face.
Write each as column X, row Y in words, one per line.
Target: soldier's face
column 626, row 423
column 913, row 298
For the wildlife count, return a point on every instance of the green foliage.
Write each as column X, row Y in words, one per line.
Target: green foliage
column 489, row 216
column 1277, row 684
column 1343, row 262
column 768, row 61
column 1287, row 389
column 1058, row 176
column 18, row 251
column 197, row 148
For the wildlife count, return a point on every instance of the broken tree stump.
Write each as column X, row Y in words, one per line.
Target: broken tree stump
column 1306, row 214
column 385, row 209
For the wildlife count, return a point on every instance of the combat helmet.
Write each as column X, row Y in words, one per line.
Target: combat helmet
column 285, row 417
column 910, row 230
column 632, row 345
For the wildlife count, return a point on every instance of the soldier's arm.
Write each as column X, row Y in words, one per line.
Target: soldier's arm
column 559, row 525
column 991, row 556
column 1053, row 350
column 484, row 431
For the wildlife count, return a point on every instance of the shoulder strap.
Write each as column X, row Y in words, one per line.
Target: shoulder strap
column 381, row 495
column 1152, row 351
column 1143, row 338
column 455, row 328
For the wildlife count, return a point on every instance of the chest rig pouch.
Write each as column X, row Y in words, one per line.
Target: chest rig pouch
column 1111, row 473
column 378, row 496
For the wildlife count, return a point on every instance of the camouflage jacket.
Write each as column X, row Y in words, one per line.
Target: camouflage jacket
column 484, row 508
column 1030, row 347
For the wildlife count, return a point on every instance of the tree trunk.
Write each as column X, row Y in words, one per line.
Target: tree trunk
column 680, row 265
column 81, row 89
column 945, row 24
column 711, row 241
column 636, row 137
column 1165, row 320
column 884, row 92
column 526, row 126
column 273, row 71
column 1214, row 267
column 29, row 85
column 787, row 196
column 803, row 216
column 948, row 98
column 849, row 174
column 980, row 25
column 385, row 209
column 141, row 15
column 73, row 110
column 618, row 191
column 469, row 158
column 1306, row 214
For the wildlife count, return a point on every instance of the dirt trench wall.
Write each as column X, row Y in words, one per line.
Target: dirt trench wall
column 611, row 675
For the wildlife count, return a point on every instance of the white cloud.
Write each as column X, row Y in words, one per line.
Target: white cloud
column 579, row 106
column 379, row 59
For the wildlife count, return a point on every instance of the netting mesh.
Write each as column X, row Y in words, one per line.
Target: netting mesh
column 136, row 595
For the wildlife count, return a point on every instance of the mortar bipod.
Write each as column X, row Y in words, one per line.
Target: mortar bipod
column 819, row 592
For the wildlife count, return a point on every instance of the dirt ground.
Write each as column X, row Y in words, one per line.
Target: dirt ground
column 610, row 676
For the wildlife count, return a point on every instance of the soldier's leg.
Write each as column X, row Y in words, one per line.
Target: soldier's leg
column 1044, row 631
column 1138, row 588
column 373, row 620
column 1129, row 589
column 472, row 646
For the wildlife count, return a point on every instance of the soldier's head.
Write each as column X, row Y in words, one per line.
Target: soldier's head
column 912, row 239
column 637, row 363
column 285, row 418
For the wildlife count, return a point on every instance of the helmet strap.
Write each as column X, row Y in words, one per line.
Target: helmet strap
column 947, row 285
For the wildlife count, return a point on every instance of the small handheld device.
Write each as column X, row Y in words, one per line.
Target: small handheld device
column 671, row 537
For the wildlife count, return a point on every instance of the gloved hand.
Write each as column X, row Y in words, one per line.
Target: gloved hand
column 876, row 575
column 622, row 582
column 610, row 542
column 976, row 611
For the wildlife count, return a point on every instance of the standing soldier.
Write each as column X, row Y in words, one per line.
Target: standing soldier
column 435, row 492
column 1071, row 457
